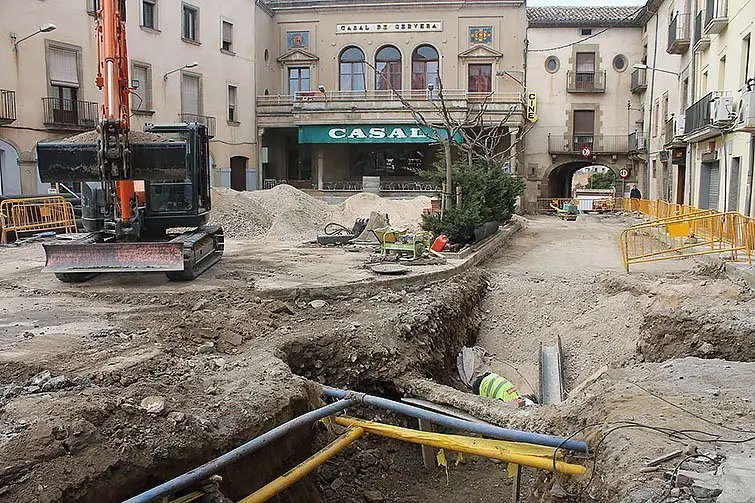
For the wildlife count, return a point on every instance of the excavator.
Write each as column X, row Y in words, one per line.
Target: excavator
column 141, row 191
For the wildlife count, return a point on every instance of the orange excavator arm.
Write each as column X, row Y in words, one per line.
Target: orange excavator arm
column 113, row 81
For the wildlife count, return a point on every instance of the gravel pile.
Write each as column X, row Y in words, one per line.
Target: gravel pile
column 285, row 213
column 133, row 136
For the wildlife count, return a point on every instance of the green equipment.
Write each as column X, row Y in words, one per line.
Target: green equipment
column 402, row 243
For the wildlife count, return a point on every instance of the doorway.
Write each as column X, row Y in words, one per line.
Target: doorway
column 10, row 172
column 238, row 173
column 681, row 180
column 710, row 182
column 584, row 129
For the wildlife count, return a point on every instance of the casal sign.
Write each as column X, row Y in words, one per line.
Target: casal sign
column 397, row 133
column 392, row 27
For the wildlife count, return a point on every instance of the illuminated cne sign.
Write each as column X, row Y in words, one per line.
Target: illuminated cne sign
column 389, row 27
column 532, row 107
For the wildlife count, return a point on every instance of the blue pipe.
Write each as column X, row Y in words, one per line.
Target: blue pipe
column 202, row 473
column 482, row 429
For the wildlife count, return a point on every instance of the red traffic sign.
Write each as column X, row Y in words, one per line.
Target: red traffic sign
column 586, row 151
column 624, row 173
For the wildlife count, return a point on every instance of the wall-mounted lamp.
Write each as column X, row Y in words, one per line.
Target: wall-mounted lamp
column 190, row 65
column 45, row 28
column 640, row 66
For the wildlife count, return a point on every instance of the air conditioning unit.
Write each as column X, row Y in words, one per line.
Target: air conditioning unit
column 641, row 140
column 721, row 111
column 746, row 118
column 679, row 127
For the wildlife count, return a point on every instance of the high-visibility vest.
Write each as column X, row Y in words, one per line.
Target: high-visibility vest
column 495, row 386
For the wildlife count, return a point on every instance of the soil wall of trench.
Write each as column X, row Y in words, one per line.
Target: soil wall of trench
column 94, row 444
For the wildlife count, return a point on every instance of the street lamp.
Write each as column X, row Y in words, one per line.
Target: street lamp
column 190, row 65
column 45, row 28
column 640, row 66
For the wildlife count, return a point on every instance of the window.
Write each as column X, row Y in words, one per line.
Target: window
column 620, row 63
column 655, row 169
column 656, row 118
column 191, row 96
column 190, row 23
column 552, row 64
column 63, row 70
column 745, row 60
column 93, row 6
column 388, row 65
column 585, row 75
column 480, row 78
column 227, row 37
column 586, row 31
column 298, row 80
column 685, row 93
column 149, row 14
column 141, row 97
column 351, row 69
column 722, row 73
column 584, row 129
column 425, row 66
column 232, row 92
column 664, row 109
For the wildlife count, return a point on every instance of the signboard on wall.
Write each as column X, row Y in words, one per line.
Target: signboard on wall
column 679, row 156
column 391, row 27
column 378, row 133
column 532, row 107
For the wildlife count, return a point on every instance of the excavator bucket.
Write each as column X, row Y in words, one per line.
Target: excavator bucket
column 87, row 257
column 63, row 161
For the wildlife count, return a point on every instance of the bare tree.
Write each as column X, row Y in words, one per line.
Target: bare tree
column 448, row 121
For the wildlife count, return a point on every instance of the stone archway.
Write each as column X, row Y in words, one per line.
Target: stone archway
column 559, row 176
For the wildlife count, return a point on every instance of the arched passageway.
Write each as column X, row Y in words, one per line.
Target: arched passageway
column 561, row 177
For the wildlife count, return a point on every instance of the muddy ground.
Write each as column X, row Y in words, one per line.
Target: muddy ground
column 78, row 362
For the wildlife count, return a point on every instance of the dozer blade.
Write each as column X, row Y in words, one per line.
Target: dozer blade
column 113, row 257
column 77, row 162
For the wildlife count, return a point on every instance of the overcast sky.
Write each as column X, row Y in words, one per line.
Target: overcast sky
column 594, row 3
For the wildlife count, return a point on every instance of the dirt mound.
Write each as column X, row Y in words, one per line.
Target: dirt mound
column 285, row 213
column 727, row 333
column 402, row 213
column 282, row 213
column 135, row 136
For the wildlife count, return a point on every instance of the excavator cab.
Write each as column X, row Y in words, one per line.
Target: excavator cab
column 171, row 163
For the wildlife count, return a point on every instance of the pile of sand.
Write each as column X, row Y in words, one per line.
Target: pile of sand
column 402, row 213
column 285, row 213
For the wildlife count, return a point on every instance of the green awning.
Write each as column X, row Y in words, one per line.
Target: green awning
column 381, row 133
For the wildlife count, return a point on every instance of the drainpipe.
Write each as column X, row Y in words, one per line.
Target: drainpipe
column 726, row 172
column 652, row 105
column 748, row 199
column 690, row 162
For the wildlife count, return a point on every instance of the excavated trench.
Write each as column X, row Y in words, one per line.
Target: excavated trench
column 419, row 337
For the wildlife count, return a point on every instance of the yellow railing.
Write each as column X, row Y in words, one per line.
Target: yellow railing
column 35, row 214
column 677, row 230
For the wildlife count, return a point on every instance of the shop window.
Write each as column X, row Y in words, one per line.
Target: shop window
column 425, row 67
column 388, row 66
column 351, row 69
column 480, row 80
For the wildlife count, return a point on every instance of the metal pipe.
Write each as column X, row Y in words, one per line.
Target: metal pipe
column 452, row 422
column 305, row 468
column 451, row 442
column 201, row 473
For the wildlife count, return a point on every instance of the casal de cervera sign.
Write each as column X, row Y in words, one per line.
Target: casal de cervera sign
column 391, row 27
column 397, row 133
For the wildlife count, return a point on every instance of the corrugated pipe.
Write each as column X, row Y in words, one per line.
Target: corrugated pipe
column 202, row 473
column 452, row 422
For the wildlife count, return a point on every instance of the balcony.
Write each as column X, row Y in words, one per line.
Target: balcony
column 639, row 80
column 716, row 12
column 674, row 133
column 638, row 142
column 700, row 41
column 70, row 115
column 7, row 106
column 383, row 106
column 586, row 82
column 699, row 123
column 599, row 144
column 678, row 34
column 202, row 119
